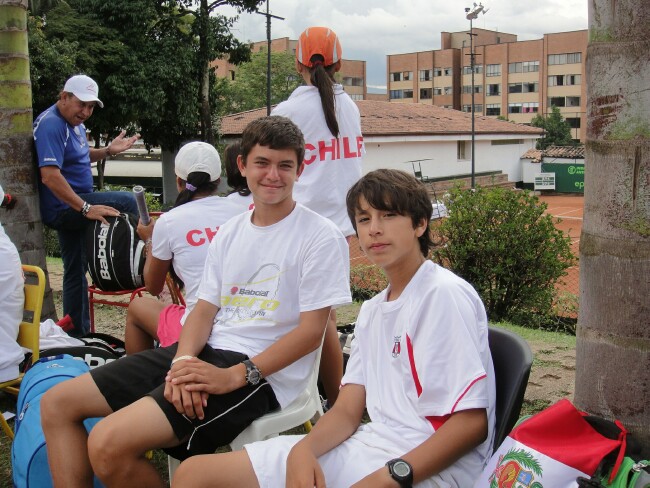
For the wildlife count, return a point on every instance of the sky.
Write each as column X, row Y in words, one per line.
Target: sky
column 371, row 29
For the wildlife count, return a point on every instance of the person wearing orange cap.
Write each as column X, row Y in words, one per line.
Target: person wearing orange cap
column 330, row 122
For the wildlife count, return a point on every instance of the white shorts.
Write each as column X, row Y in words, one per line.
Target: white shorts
column 343, row 466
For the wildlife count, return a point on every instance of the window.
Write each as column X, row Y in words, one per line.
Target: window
column 572, row 101
column 448, row 90
column 564, row 80
column 399, row 94
column 506, row 142
column 401, row 76
column 437, row 71
column 568, row 58
column 530, row 107
column 493, row 90
column 514, row 108
column 232, row 74
column 447, row 71
column 523, row 67
column 493, row 70
column 437, row 91
column 523, row 87
column 574, row 122
column 425, row 93
column 352, row 81
column 493, row 109
column 478, row 108
column 564, row 101
column 468, row 89
column 426, row 74
column 478, row 69
column 460, row 147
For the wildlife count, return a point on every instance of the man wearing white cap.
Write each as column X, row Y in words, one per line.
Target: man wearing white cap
column 66, row 187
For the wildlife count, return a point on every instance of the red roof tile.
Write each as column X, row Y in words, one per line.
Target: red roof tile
column 389, row 119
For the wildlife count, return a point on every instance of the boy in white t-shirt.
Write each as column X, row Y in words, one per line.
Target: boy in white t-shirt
column 420, row 365
column 247, row 347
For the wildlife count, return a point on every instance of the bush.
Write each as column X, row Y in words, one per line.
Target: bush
column 366, row 280
column 500, row 241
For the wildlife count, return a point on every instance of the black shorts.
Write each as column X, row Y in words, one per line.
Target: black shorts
column 130, row 378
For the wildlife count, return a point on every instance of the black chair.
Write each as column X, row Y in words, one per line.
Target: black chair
column 512, row 359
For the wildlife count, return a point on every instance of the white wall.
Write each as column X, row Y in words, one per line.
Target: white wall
column 396, row 152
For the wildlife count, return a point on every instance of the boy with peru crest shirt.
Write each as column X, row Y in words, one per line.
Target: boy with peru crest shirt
column 420, row 364
column 247, row 347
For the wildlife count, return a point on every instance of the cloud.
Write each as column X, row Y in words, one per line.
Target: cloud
column 371, row 29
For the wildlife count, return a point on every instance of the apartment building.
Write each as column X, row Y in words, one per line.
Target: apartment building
column 352, row 74
column 512, row 79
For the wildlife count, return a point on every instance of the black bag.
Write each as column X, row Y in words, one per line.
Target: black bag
column 115, row 253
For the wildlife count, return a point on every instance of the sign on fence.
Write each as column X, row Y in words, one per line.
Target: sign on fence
column 545, row 181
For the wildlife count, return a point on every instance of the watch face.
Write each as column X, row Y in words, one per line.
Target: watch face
column 401, row 469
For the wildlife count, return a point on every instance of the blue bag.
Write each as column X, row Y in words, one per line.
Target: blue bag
column 28, row 453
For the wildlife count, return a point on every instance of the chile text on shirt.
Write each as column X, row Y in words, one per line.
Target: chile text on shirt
column 336, row 148
column 195, row 237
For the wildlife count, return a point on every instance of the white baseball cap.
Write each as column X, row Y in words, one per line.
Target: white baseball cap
column 84, row 88
column 198, row 156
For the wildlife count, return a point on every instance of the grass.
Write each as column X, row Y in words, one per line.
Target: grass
column 551, row 340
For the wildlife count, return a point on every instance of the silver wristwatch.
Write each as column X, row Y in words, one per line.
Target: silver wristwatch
column 253, row 373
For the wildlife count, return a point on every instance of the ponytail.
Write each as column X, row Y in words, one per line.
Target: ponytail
column 323, row 78
column 197, row 182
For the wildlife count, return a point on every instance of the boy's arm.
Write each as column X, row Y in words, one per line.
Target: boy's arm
column 199, row 379
column 334, row 427
column 461, row 432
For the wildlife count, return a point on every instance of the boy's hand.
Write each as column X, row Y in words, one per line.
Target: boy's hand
column 199, row 376
column 303, row 470
column 187, row 403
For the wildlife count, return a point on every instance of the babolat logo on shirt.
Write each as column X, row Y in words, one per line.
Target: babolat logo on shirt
column 257, row 293
column 101, row 252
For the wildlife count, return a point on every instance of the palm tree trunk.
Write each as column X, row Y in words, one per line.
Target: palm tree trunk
column 18, row 173
column 613, row 343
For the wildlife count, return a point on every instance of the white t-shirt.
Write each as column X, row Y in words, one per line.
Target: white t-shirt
column 420, row 358
column 183, row 235
column 12, row 299
column 245, row 202
column 332, row 165
column 262, row 278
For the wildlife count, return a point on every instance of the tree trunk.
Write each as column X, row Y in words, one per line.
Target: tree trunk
column 613, row 343
column 207, row 134
column 18, row 173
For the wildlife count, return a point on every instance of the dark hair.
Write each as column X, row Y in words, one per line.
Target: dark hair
column 397, row 191
column 322, row 77
column 275, row 132
column 200, row 181
column 235, row 179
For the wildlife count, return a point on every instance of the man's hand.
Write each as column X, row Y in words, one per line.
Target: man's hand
column 186, row 403
column 120, row 143
column 303, row 470
column 98, row 212
column 145, row 231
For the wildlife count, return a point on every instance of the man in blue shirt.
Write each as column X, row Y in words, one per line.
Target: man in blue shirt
column 68, row 202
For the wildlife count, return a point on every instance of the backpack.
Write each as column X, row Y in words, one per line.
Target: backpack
column 115, row 253
column 28, row 452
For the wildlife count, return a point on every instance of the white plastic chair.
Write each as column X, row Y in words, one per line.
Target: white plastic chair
column 298, row 412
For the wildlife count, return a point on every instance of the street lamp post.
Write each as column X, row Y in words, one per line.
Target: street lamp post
column 268, row 54
column 471, row 15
